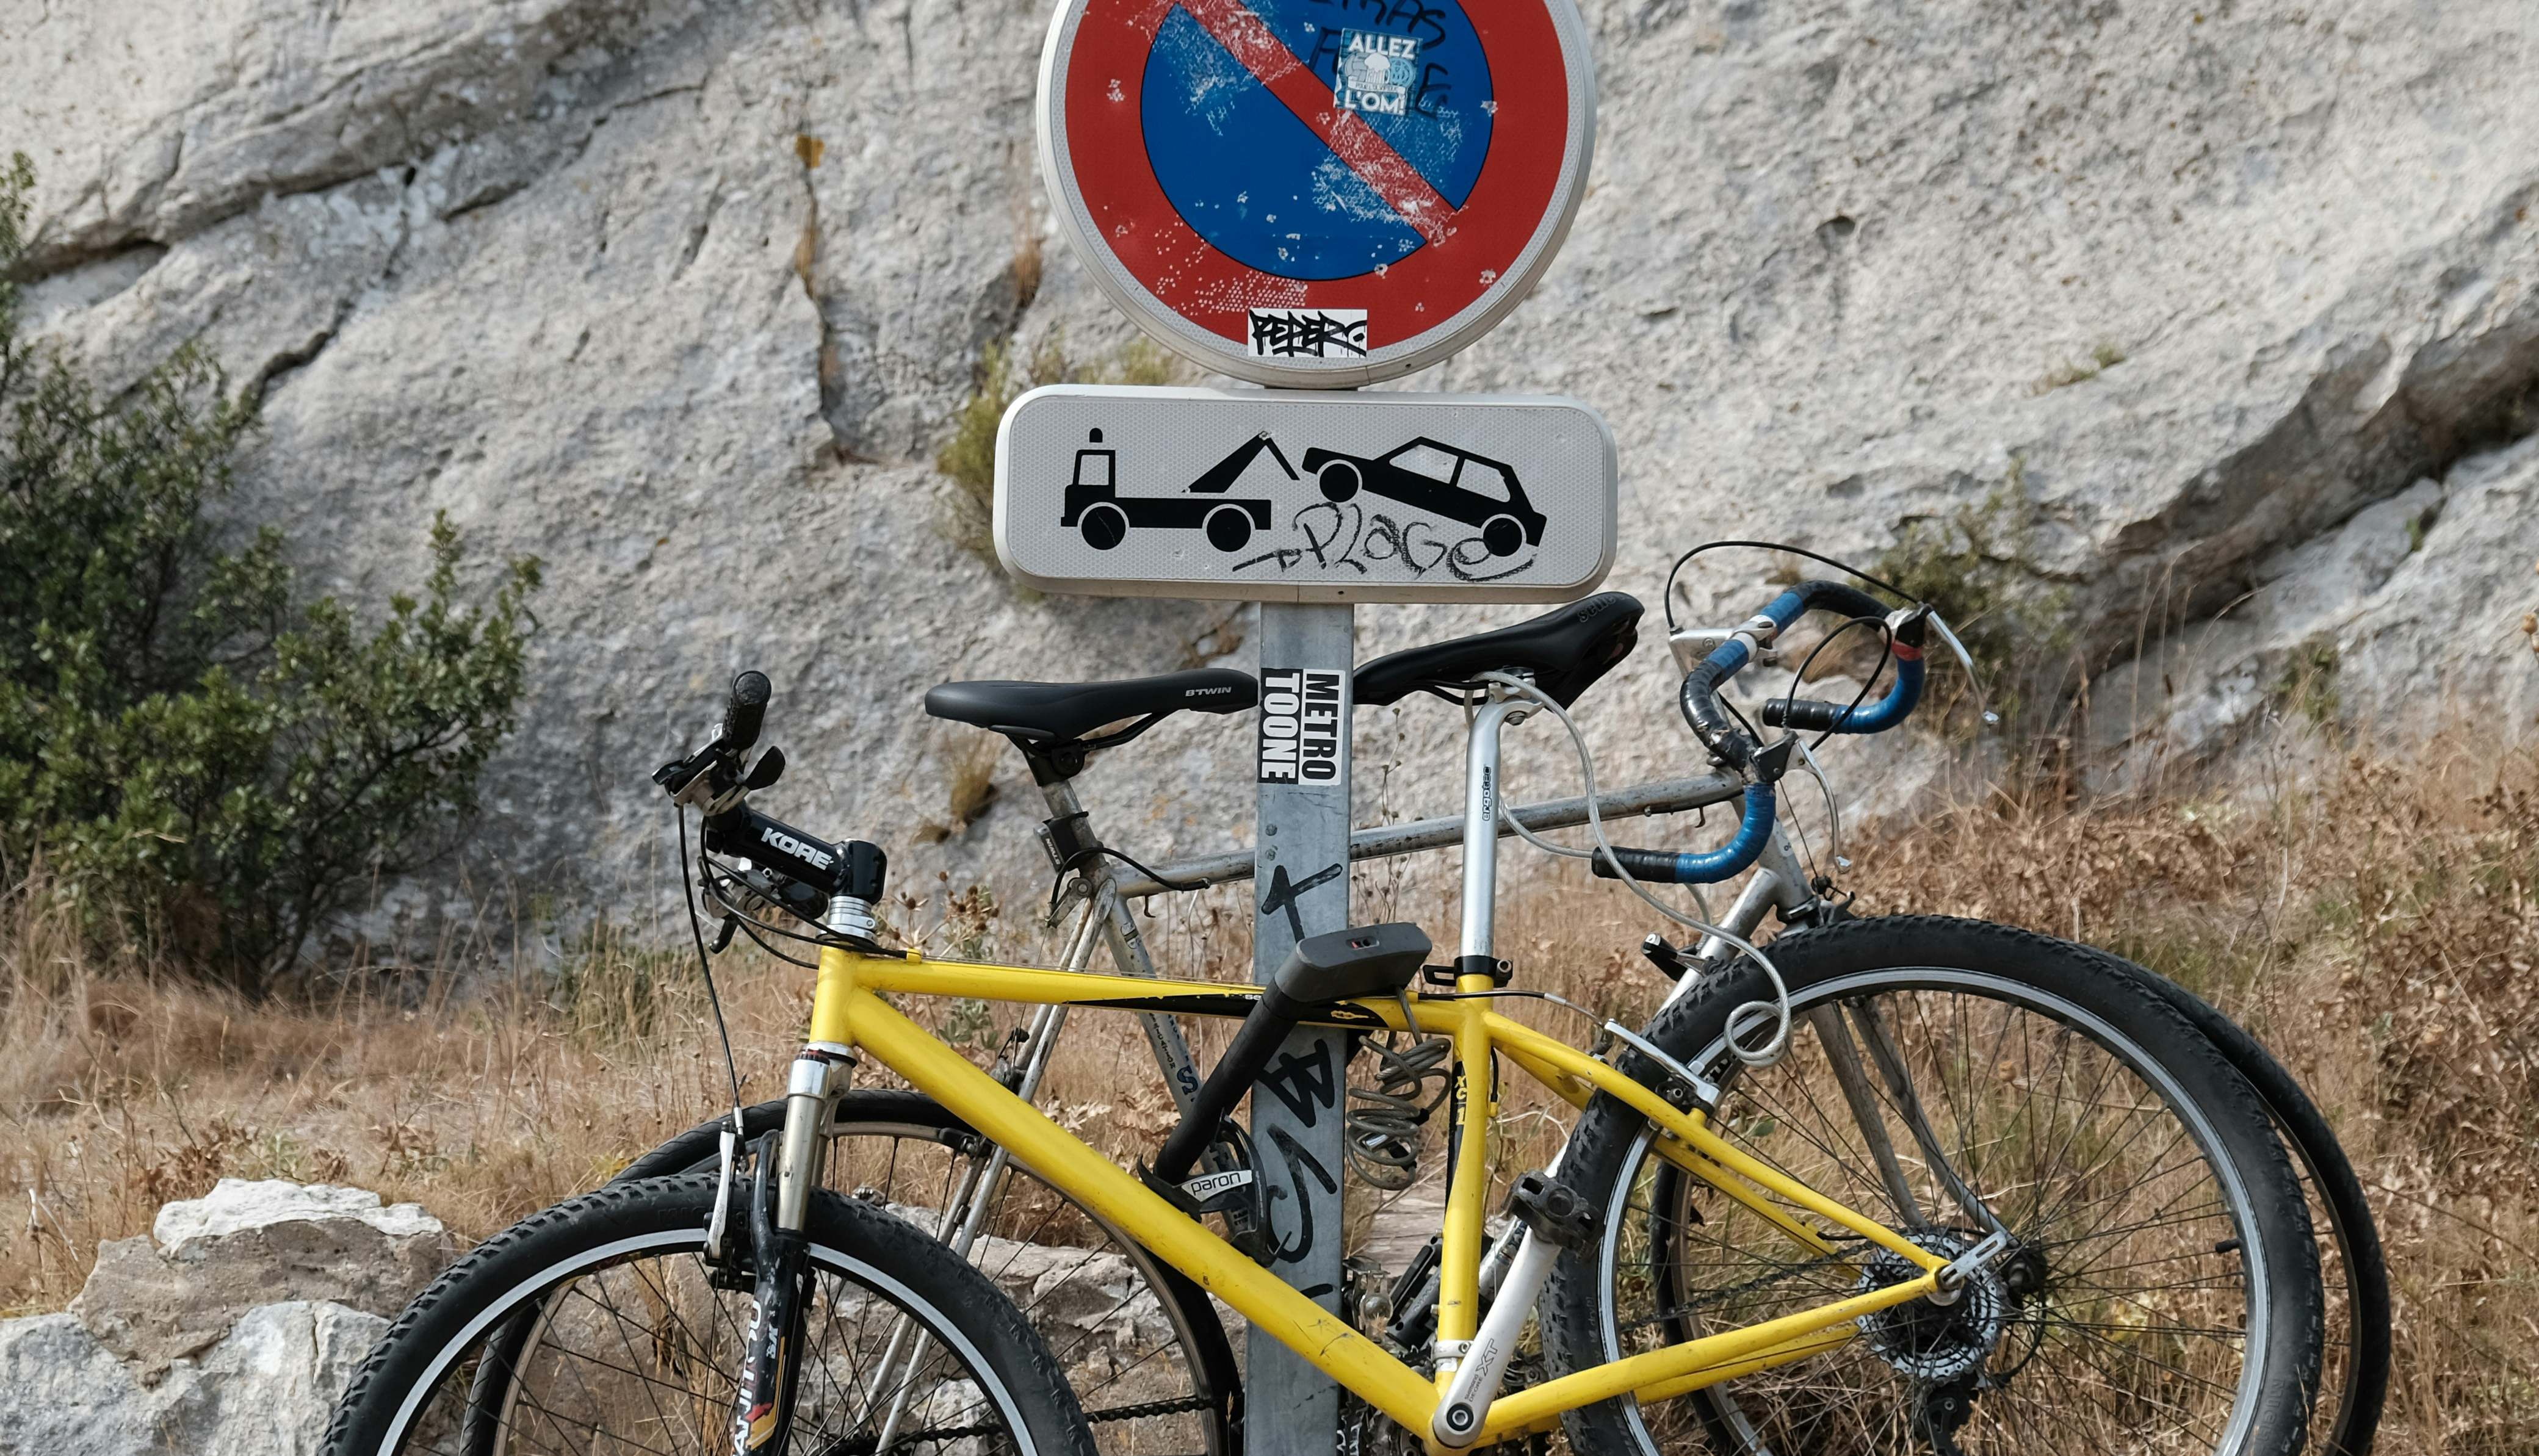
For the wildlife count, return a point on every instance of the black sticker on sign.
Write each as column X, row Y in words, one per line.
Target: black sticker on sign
column 1303, row 735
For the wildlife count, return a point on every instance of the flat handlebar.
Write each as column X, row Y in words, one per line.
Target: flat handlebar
column 807, row 870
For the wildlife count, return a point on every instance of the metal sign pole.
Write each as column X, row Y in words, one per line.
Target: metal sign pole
column 1311, row 197
column 1300, row 858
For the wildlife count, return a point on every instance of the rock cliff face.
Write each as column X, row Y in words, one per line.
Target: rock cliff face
column 2233, row 305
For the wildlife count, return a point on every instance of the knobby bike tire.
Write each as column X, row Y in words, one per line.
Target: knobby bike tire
column 1113, row 1392
column 2012, row 996
column 638, row 1247
column 2363, row 1389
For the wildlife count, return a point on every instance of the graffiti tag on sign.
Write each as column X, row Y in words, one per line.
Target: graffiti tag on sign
column 1308, row 333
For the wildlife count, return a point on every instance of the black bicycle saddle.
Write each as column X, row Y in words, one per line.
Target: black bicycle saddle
column 1058, row 712
column 1565, row 651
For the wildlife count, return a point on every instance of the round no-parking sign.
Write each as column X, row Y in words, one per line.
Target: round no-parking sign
column 1318, row 192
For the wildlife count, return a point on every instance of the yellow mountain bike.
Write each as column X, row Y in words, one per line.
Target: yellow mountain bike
column 2086, row 1238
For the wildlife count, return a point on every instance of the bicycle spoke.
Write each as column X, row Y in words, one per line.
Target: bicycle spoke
column 2140, row 1325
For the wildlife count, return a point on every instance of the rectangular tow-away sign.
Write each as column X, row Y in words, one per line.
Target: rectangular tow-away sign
column 1304, row 496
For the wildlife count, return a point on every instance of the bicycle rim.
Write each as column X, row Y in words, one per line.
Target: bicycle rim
column 2139, row 1319
column 634, row 1350
column 1141, row 1346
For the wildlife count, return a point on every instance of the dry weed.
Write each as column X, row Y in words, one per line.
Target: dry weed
column 2377, row 929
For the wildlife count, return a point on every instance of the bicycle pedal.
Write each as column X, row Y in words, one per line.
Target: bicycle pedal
column 1557, row 1213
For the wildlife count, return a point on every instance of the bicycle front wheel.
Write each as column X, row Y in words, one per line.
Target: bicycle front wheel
column 2161, row 1292
column 1140, row 1342
column 634, row 1348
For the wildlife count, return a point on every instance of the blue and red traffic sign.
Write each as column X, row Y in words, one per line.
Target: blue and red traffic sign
column 1317, row 191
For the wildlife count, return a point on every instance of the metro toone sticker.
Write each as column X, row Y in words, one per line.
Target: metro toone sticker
column 1304, row 712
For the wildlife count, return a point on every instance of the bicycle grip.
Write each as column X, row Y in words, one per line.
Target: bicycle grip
column 747, row 710
column 1645, row 865
column 1806, row 715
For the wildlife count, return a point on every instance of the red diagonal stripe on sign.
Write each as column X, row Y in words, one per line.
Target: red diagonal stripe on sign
column 1250, row 40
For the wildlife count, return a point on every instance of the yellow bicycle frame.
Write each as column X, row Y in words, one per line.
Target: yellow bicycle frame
column 847, row 1010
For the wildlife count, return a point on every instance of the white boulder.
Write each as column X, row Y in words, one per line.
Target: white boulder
column 152, row 1301
column 268, row 1389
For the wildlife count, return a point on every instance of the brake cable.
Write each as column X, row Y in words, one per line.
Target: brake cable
column 731, row 1137
column 1747, row 1014
column 1781, row 547
column 1806, row 751
column 705, row 965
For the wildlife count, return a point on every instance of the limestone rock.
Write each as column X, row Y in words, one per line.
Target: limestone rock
column 2407, row 613
column 153, row 120
column 681, row 299
column 268, row 1389
column 151, row 1302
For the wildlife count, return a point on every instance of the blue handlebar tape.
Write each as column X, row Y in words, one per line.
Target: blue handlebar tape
column 1897, row 706
column 1709, row 867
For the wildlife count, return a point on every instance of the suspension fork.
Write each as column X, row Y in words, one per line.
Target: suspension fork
column 779, row 1207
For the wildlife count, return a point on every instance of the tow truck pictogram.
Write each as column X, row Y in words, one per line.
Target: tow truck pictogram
column 1095, row 507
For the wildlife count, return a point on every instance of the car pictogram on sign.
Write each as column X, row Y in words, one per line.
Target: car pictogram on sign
column 1095, row 507
column 1442, row 480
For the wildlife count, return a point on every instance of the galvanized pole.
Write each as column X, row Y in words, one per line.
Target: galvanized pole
column 1301, row 887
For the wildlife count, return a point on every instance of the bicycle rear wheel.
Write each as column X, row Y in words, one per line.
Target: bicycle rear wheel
column 2162, row 1292
column 631, row 1347
column 1141, row 1344
column 2353, row 1378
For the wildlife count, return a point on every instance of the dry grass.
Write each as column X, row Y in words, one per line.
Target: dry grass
column 2378, row 930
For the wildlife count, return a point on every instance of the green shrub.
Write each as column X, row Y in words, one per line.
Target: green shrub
column 194, row 760
column 1974, row 564
column 969, row 459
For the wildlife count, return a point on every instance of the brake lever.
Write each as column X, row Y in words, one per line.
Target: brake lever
column 764, row 774
column 1071, row 894
column 709, row 778
column 1966, row 659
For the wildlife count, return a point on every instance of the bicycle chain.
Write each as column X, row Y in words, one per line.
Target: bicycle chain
column 1175, row 1407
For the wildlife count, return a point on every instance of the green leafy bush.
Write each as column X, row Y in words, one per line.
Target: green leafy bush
column 192, row 759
